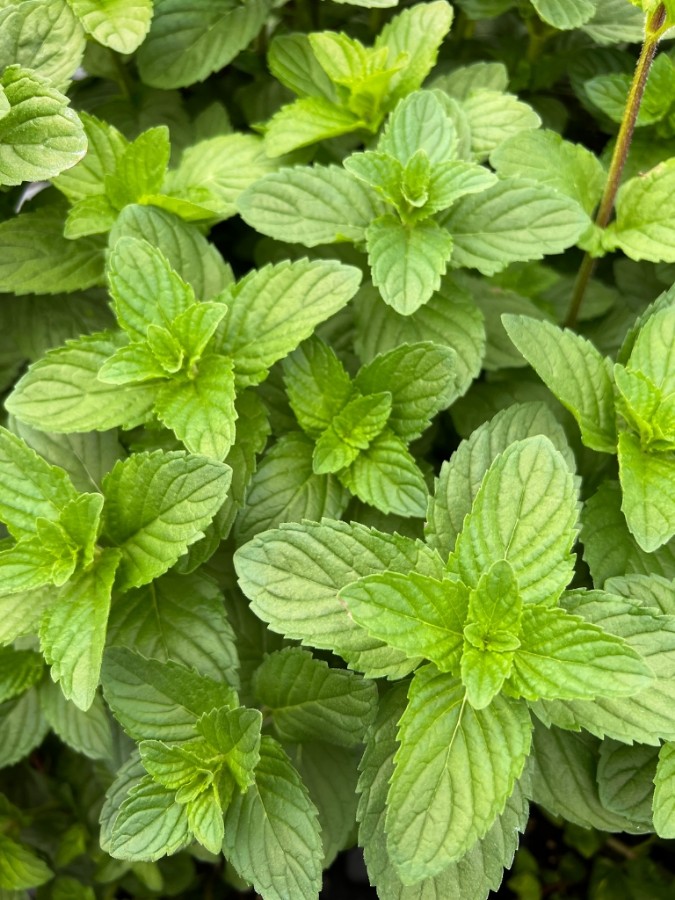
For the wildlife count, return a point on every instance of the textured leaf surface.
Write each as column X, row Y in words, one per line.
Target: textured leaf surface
column 648, row 486
column 149, row 824
column 645, row 224
column 664, row 796
column 119, row 24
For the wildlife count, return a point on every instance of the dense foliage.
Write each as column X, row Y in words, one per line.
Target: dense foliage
column 337, row 466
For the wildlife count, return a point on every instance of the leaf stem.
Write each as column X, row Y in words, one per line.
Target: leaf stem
column 653, row 32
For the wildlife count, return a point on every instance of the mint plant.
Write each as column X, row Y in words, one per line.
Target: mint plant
column 337, row 456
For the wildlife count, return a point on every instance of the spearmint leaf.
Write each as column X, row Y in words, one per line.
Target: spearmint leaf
column 132, row 364
column 179, row 618
column 141, row 169
column 648, row 487
column 205, row 818
column 310, row 206
column 194, row 328
column 157, row 504
column 353, row 429
column 121, row 24
column 307, row 121
column 565, row 15
column 419, row 122
column 159, row 700
column 35, row 257
column 664, row 805
column 478, row 871
column 272, row 834
column 224, row 166
column 73, row 630
column 189, row 40
column 92, row 215
column 32, row 488
column 578, row 375
column 292, row 62
column 235, row 734
column 200, row 409
column 418, row 615
column 561, row 656
column 493, row 117
column 62, row 393
column 285, row 488
column 317, row 384
column 146, row 290
column 176, row 766
column 454, row 771
column 23, row 727
column 525, row 512
column 275, row 308
column 28, row 565
column 652, row 349
column 295, row 568
column 510, row 221
column 19, row 670
column 626, row 780
column 461, row 476
column 19, row 867
column 39, row 135
column 380, row 171
column 105, row 147
column 310, row 701
column 421, row 380
column 86, row 732
column 387, row 477
column 417, row 32
column 454, row 179
column 644, row 227
column 407, row 261
column 42, row 35
column 149, row 824
column 545, row 157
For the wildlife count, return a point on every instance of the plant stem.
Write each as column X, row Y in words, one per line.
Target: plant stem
column 653, row 32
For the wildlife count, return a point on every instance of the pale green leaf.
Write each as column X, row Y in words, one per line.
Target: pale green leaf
column 664, row 795
column 119, row 24
column 353, row 429
column 91, row 215
column 460, row 82
column 387, row 477
column 626, row 779
column 205, row 818
column 317, row 384
column 653, row 351
column 493, row 117
column 105, row 147
column 272, row 835
column 310, row 206
column 62, row 393
column 157, row 504
column 310, row 701
column 419, row 122
column 512, row 220
column 132, row 364
column 159, row 700
column 274, row 308
column 235, row 734
column 190, row 39
column 297, row 568
column 614, row 22
column 141, row 168
column 648, row 487
column 307, row 121
column 575, row 371
column 20, row 867
column 525, row 512
column 565, row 14
column 292, row 62
column 454, row 771
column 87, row 732
column 73, row 630
column 644, row 227
column 149, row 824
column 407, row 261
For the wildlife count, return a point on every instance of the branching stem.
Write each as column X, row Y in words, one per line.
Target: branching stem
column 653, row 31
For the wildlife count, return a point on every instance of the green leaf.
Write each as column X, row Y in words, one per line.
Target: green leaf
column 73, row 630
column 87, row 732
column 272, row 835
column 297, row 568
column 644, row 227
column 235, row 734
column 200, row 409
column 23, row 727
column 648, row 490
column 461, row 476
column 419, row 615
column 510, row 221
column 39, row 135
column 291, row 61
column 35, row 257
column 380, row 171
column 19, row 670
column 493, row 117
column 626, row 779
column 310, row 206
column 454, row 179
column 62, row 393
column 565, row 15
column 149, row 824
column 121, row 24
column 407, row 261
column 387, row 477
column 421, row 380
column 317, row 384
column 20, row 867
column 195, row 327
column 274, row 308
column 42, row 35
column 157, row 504
column 179, row 618
column 205, row 818
column 664, row 805
column 307, row 121
column 525, row 512
column 208, row 38
column 419, row 122
column 310, row 701
column 159, row 700
column 32, row 488
column 543, row 156
column 454, row 771
column 652, row 350
column 141, row 169
column 562, row 656
column 105, row 147
column 91, row 215
column 352, row 430
column 574, row 370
